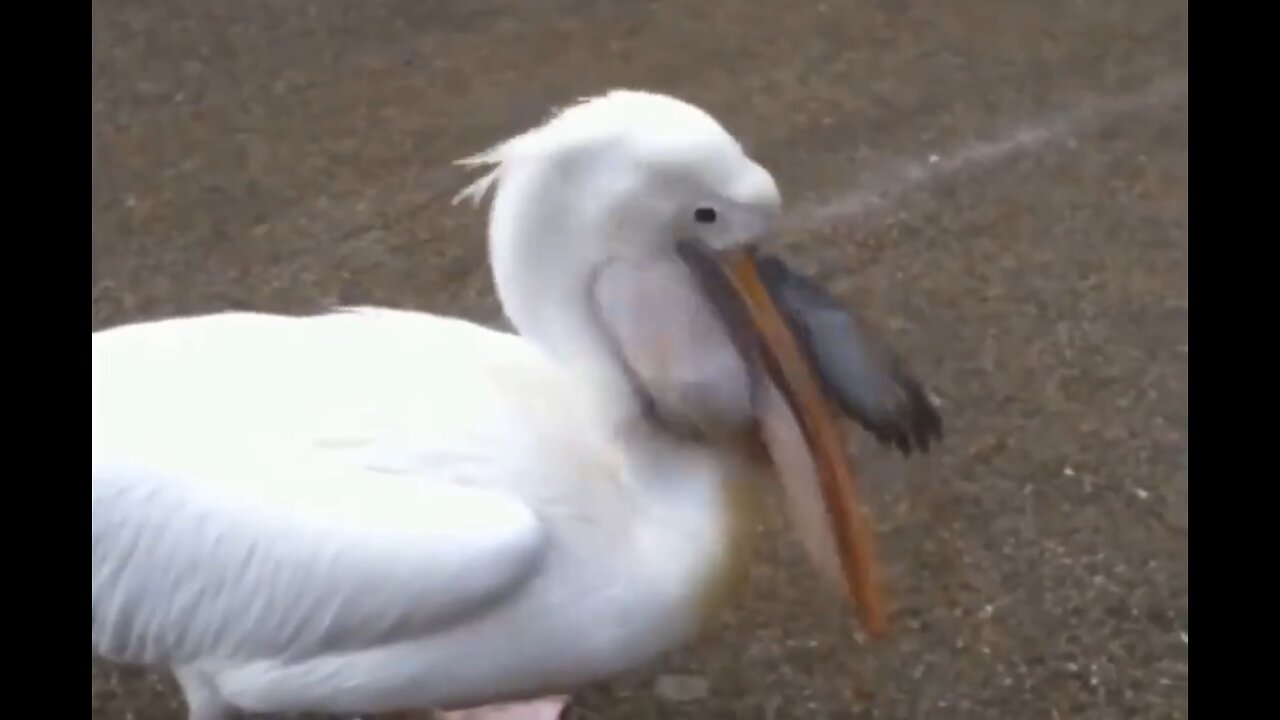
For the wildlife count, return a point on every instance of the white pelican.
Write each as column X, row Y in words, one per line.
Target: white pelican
column 374, row 511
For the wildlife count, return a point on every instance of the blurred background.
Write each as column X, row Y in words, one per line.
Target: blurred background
column 999, row 185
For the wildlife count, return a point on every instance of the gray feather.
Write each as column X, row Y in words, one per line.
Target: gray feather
column 869, row 381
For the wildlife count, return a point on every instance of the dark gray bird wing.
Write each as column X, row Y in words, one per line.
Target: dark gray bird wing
column 868, row 380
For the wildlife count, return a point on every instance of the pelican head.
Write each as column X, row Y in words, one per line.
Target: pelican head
column 623, row 176
column 633, row 213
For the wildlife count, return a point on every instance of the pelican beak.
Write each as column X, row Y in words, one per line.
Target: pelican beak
column 820, row 363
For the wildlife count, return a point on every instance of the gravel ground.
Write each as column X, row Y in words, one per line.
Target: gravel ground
column 1001, row 185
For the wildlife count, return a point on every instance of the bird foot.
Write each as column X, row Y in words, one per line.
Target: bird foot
column 547, row 708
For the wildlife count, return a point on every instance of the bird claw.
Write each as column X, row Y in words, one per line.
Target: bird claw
column 546, row 708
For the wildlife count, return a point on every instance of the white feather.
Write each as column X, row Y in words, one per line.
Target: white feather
column 357, row 512
column 328, row 575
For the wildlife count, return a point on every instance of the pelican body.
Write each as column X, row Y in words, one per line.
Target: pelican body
column 375, row 510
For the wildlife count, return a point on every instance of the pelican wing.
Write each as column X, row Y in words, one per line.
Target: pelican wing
column 270, row 487
column 181, row 572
